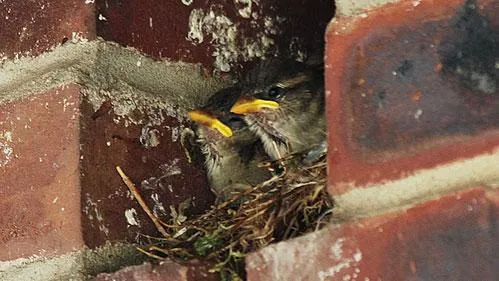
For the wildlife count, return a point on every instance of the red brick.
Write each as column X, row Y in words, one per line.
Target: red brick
column 32, row 27
column 59, row 189
column 395, row 102
column 109, row 140
column 160, row 28
column 166, row 271
column 451, row 238
column 39, row 174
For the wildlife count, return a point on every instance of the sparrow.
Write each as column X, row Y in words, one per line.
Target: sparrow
column 283, row 104
column 232, row 153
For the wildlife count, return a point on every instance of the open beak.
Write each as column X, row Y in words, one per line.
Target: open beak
column 205, row 119
column 246, row 105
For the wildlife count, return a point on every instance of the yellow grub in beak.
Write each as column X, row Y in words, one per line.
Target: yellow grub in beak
column 206, row 119
column 246, row 105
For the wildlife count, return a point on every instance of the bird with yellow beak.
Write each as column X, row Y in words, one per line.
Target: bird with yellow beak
column 283, row 103
column 232, row 153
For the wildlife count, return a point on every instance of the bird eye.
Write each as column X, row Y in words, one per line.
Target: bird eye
column 275, row 92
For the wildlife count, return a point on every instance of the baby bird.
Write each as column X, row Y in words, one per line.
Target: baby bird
column 283, row 103
column 231, row 151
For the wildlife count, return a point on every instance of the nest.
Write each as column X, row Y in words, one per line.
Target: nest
column 287, row 205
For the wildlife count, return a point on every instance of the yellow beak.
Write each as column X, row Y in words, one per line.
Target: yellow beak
column 206, row 119
column 246, row 105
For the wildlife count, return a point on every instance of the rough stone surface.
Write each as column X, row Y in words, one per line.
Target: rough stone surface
column 31, row 27
column 411, row 86
column 215, row 33
column 451, row 238
column 165, row 271
column 39, row 175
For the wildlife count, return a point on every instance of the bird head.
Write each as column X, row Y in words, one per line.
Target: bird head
column 231, row 151
column 284, row 106
column 219, row 132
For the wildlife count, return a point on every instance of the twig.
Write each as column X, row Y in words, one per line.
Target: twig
column 282, row 207
column 141, row 201
column 322, row 216
column 149, row 254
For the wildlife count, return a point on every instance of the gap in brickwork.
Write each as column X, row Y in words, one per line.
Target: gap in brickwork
column 144, row 93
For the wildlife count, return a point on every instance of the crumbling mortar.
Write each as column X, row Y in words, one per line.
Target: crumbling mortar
column 108, row 71
column 81, row 265
column 423, row 186
column 354, row 7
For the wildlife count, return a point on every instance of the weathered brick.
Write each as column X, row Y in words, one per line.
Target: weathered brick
column 165, row 271
column 32, row 27
column 39, row 174
column 151, row 155
column 235, row 31
column 451, row 238
column 413, row 86
column 58, row 182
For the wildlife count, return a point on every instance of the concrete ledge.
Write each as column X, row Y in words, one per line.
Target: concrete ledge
column 355, row 7
column 423, row 185
column 80, row 265
column 103, row 65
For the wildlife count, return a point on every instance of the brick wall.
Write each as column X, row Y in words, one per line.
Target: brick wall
column 413, row 148
column 412, row 104
column 86, row 86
